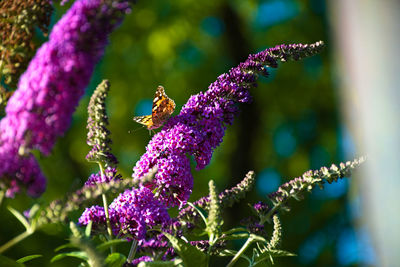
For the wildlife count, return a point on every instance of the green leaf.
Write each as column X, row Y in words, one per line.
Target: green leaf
column 281, row 253
column 115, row 260
column 33, row 212
column 20, row 218
column 271, row 254
column 110, row 243
column 230, row 253
column 75, row 254
column 190, row 255
column 28, row 258
column 68, row 245
column 177, row 262
column 88, row 229
column 258, row 238
column 227, row 253
column 5, row 261
column 236, row 236
column 235, row 230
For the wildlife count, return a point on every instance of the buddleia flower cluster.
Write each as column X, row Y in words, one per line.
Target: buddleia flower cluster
column 98, row 135
column 200, row 126
column 130, row 213
column 18, row 20
column 296, row 188
column 196, row 131
column 48, row 92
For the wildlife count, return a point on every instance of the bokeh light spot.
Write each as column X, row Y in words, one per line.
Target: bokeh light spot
column 274, row 12
column 189, row 54
column 285, row 142
column 143, row 107
column 159, row 45
column 268, row 181
column 333, row 190
column 355, row 247
column 213, row 26
column 313, row 67
column 319, row 157
column 311, row 248
column 347, row 147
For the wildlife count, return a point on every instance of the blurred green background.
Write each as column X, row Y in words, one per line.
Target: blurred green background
column 292, row 125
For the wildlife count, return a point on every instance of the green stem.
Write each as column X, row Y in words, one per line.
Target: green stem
column 15, row 240
column 198, row 210
column 271, row 212
column 2, row 194
column 241, row 251
column 105, row 204
column 234, row 230
column 132, row 251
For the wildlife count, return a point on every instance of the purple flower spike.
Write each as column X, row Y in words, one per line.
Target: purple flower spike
column 261, row 207
column 27, row 173
column 40, row 110
column 130, row 213
column 201, row 124
column 135, row 262
column 135, row 209
column 95, row 214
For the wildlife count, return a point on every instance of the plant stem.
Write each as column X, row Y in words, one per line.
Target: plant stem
column 15, row 240
column 2, row 193
column 198, row 210
column 132, row 252
column 105, row 204
column 241, row 251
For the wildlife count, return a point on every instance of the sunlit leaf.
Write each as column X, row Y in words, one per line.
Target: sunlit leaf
column 115, row 260
column 69, row 245
column 74, row 254
column 190, row 255
column 28, row 258
column 20, row 217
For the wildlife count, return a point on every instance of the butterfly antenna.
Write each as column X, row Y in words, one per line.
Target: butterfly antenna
column 136, row 129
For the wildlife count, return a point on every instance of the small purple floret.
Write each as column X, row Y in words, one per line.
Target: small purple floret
column 130, row 213
column 109, row 175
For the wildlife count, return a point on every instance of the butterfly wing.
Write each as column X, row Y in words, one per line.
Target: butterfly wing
column 145, row 120
column 163, row 107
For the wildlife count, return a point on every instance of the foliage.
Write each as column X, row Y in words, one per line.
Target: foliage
column 200, row 233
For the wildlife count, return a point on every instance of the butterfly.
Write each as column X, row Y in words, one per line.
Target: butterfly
column 163, row 107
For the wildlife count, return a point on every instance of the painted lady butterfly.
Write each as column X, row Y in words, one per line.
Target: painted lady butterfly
column 163, row 107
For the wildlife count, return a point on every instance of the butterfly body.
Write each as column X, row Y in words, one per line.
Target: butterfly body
column 163, row 107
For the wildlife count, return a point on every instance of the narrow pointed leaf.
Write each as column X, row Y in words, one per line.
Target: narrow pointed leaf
column 190, row 255
column 230, row 253
column 281, row 253
column 68, row 245
column 75, row 254
column 88, row 229
column 115, row 260
column 274, row 253
column 20, row 218
column 110, row 243
column 28, row 258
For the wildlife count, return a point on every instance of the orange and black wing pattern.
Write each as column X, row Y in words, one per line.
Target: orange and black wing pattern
column 163, row 107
